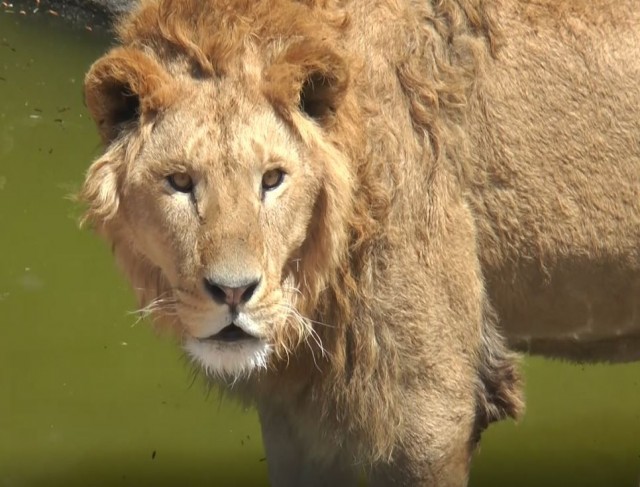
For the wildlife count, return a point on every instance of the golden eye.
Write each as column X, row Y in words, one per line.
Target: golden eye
column 272, row 179
column 181, row 181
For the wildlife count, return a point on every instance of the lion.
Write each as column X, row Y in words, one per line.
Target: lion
column 355, row 214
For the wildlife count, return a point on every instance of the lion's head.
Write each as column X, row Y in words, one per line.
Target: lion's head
column 225, row 187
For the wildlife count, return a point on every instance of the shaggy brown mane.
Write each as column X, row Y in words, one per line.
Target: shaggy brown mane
column 449, row 45
column 214, row 34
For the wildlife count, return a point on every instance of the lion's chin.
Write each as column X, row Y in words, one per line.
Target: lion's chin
column 228, row 360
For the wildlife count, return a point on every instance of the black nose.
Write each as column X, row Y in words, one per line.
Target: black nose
column 233, row 296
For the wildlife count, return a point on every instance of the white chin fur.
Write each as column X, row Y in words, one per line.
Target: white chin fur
column 228, row 360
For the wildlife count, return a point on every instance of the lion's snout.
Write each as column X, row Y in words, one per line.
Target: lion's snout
column 232, row 293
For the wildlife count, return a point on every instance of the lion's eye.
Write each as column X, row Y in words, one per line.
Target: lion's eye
column 272, row 179
column 181, row 181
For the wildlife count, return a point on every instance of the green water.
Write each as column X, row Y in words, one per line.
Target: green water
column 89, row 399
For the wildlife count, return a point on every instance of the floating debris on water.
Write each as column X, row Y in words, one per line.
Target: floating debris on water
column 5, row 43
column 29, row 282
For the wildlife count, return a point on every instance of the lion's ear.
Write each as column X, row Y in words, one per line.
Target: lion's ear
column 310, row 76
column 321, row 93
column 122, row 87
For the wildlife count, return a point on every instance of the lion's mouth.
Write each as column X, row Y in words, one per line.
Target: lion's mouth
column 229, row 334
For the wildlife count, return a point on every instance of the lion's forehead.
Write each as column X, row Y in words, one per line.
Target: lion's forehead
column 202, row 132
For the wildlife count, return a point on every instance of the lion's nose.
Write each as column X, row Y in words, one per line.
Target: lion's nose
column 231, row 295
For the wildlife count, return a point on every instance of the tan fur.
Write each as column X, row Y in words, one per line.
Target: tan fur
column 454, row 168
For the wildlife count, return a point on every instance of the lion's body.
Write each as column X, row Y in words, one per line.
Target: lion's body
column 453, row 168
column 556, row 129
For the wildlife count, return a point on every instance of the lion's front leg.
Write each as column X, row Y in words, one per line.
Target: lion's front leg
column 292, row 455
column 432, row 451
column 451, row 470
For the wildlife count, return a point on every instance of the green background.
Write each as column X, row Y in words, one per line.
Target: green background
column 90, row 398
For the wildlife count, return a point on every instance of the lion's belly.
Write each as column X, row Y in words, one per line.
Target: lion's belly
column 578, row 309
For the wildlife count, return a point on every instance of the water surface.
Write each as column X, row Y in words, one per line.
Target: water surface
column 87, row 398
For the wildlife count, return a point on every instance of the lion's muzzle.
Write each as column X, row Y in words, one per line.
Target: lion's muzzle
column 239, row 292
column 230, row 334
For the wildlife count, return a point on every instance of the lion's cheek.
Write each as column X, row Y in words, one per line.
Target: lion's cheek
column 281, row 233
column 295, row 220
column 163, row 236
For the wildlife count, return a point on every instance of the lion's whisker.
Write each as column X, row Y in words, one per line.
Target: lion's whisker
column 293, row 289
column 164, row 304
column 308, row 331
